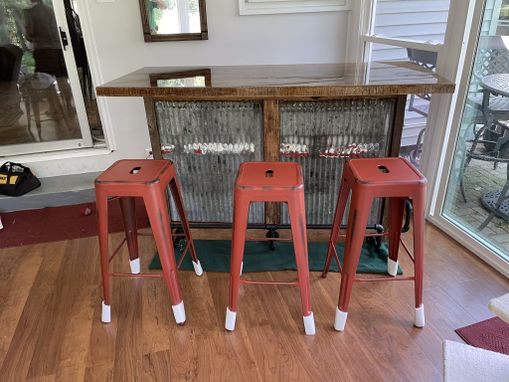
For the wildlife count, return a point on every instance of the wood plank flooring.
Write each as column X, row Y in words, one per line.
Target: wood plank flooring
column 50, row 329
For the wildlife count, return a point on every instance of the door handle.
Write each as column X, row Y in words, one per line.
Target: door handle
column 63, row 37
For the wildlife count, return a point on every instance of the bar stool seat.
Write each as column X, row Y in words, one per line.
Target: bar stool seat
column 270, row 182
column 148, row 179
column 367, row 179
column 277, row 175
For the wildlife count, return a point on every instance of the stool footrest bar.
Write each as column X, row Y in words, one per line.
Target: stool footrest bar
column 336, row 257
column 117, row 250
column 252, row 282
column 407, row 250
column 125, row 274
column 184, row 254
column 385, row 278
column 267, row 239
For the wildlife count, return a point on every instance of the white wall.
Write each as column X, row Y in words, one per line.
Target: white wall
column 113, row 33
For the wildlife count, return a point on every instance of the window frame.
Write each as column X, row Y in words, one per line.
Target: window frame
column 268, row 7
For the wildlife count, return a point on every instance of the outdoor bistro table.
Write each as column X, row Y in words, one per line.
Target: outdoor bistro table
column 497, row 85
column 209, row 120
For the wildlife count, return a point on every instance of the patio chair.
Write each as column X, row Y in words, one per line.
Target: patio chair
column 426, row 60
column 488, row 126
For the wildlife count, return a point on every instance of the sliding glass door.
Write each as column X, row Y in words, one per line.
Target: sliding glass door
column 461, row 143
column 41, row 102
column 475, row 198
column 472, row 201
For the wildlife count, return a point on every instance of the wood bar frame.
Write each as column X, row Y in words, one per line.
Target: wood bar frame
column 155, row 140
column 271, row 145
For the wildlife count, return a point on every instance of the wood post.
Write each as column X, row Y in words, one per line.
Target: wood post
column 271, row 144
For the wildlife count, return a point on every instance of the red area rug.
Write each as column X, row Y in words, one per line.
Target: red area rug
column 491, row 334
column 60, row 223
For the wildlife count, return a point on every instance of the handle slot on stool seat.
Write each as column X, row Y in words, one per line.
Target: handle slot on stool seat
column 269, row 173
column 135, row 170
column 383, row 169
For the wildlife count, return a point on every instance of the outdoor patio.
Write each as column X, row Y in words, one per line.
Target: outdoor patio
column 479, row 178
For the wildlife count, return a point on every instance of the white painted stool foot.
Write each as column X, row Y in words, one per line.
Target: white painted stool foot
column 309, row 325
column 106, row 313
column 340, row 320
column 229, row 322
column 392, row 267
column 419, row 317
column 197, row 268
column 135, row 266
column 179, row 313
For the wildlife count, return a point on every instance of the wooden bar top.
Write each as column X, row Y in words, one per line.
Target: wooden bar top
column 376, row 79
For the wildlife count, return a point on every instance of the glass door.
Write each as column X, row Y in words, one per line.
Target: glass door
column 474, row 200
column 386, row 35
column 41, row 102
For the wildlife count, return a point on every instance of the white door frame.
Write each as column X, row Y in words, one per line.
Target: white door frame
column 445, row 114
column 72, row 73
column 443, row 147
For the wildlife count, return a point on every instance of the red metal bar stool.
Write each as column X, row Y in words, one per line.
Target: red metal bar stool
column 270, row 182
column 148, row 179
column 398, row 180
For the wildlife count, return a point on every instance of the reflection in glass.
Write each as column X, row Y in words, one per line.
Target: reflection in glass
column 195, row 82
column 424, row 21
column 34, row 85
column 417, row 106
column 477, row 192
column 187, row 79
column 175, row 19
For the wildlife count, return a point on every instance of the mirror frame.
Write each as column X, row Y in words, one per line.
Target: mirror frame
column 154, row 77
column 149, row 37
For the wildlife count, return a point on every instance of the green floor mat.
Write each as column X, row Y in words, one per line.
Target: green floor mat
column 214, row 256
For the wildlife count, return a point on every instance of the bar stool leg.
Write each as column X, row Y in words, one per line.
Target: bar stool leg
column 240, row 218
column 179, row 203
column 360, row 207
column 297, row 212
column 157, row 210
column 128, row 208
column 396, row 210
column 37, row 115
column 418, row 227
column 102, row 210
column 344, row 191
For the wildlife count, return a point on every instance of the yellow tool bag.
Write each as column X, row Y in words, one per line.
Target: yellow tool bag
column 16, row 179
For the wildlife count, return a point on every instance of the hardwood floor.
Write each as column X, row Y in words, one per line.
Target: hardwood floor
column 50, row 298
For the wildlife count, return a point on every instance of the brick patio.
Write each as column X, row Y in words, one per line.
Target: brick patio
column 479, row 178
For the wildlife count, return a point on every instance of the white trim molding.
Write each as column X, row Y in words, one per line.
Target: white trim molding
column 268, row 7
column 478, row 247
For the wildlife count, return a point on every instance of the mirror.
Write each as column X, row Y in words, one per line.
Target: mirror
column 173, row 20
column 199, row 78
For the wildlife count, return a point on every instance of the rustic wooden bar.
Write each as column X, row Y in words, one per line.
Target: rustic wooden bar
column 208, row 120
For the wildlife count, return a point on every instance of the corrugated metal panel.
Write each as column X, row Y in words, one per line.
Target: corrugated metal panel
column 322, row 135
column 208, row 141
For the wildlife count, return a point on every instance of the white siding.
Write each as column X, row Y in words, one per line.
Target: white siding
column 413, row 20
column 419, row 20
